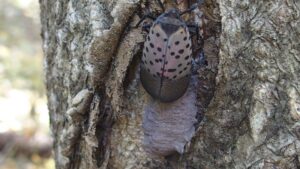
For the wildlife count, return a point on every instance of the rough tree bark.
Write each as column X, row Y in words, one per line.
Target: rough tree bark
column 248, row 95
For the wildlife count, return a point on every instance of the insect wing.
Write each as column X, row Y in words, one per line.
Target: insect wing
column 166, row 61
column 154, row 51
column 178, row 55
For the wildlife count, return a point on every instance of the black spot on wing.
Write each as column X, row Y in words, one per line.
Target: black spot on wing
column 171, row 70
column 151, row 45
column 181, row 51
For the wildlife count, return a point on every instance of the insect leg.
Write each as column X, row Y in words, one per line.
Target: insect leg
column 198, row 53
column 194, row 29
column 143, row 18
column 146, row 27
column 198, row 47
column 201, row 59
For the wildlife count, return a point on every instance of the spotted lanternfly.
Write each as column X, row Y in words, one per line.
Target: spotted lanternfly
column 166, row 61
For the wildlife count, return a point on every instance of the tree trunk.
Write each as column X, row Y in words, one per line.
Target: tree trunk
column 247, row 96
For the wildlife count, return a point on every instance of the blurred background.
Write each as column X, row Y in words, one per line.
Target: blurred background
column 25, row 141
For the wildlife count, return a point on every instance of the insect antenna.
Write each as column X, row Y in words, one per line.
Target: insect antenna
column 161, row 4
column 194, row 6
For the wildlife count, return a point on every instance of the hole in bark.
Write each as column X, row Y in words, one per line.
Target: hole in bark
column 131, row 71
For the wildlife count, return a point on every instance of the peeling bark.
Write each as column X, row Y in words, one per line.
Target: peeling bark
column 249, row 90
